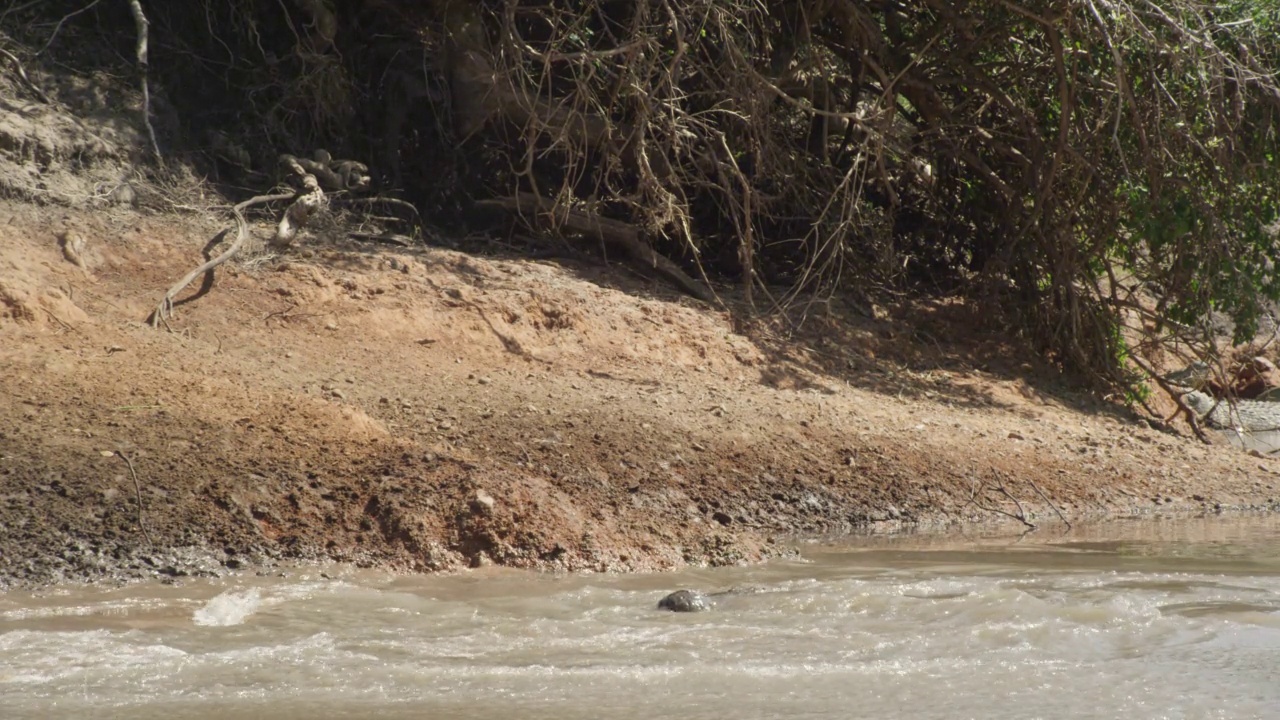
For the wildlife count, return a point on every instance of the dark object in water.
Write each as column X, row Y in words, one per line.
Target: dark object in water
column 685, row 601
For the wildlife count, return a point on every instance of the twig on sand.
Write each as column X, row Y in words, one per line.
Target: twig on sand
column 137, row 488
column 1020, row 516
column 1044, row 497
column 22, row 75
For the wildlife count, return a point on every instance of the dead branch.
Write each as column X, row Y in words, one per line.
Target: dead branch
column 1020, row 516
column 22, row 76
column 165, row 309
column 394, row 202
column 386, row 238
column 1044, row 497
column 58, row 28
column 605, row 230
column 1174, row 393
column 137, row 489
column 140, row 21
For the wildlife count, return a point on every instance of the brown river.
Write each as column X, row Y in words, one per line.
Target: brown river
column 1150, row 619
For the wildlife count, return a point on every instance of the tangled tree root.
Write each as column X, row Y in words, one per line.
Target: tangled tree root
column 164, row 310
column 312, row 177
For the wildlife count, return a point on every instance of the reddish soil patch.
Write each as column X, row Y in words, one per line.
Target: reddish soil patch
column 429, row 409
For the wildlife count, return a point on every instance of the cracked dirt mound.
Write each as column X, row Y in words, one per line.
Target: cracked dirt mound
column 428, row 409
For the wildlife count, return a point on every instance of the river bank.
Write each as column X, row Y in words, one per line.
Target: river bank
column 425, row 409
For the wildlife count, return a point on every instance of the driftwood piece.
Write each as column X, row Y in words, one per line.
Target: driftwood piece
column 609, row 231
column 165, row 309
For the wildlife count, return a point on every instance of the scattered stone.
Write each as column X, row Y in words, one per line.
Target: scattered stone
column 483, row 502
column 685, row 601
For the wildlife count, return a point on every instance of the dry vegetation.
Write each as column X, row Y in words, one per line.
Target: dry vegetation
column 805, row 266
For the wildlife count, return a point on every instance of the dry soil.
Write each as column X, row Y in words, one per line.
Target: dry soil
column 430, row 409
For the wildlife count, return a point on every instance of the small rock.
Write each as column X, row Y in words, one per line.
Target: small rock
column 330, row 325
column 1016, row 436
column 483, row 502
column 685, row 601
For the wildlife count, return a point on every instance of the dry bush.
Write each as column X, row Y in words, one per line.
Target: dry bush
column 1100, row 174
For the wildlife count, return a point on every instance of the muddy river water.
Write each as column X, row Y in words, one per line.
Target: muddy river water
column 1152, row 619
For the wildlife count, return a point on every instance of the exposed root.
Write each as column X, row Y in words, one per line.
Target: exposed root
column 22, row 75
column 604, row 230
column 164, row 310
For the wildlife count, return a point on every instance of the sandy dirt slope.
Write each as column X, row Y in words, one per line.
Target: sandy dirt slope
column 429, row 409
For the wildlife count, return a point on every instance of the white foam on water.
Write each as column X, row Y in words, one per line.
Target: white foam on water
column 232, row 607
column 37, row 657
